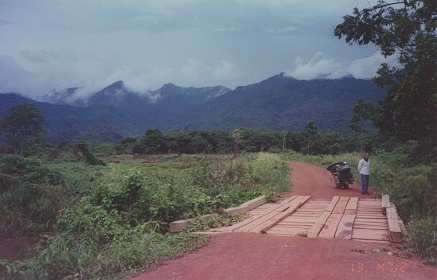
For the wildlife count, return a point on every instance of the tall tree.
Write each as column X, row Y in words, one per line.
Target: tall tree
column 311, row 133
column 407, row 30
column 22, row 124
column 363, row 111
column 154, row 141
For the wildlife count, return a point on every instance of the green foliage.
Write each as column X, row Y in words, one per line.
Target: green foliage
column 242, row 178
column 267, row 168
column 22, row 125
column 126, row 145
column 89, row 156
column 413, row 189
column 423, row 232
column 120, row 199
column 407, row 30
column 90, row 222
column 239, row 140
column 64, row 257
column 30, row 195
column 119, row 226
column 153, row 142
column 310, row 133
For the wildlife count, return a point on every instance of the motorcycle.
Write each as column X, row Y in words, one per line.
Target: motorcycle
column 341, row 174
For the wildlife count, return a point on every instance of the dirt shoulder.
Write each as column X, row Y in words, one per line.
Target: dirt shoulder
column 260, row 256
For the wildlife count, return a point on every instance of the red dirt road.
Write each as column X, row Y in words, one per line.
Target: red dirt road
column 259, row 256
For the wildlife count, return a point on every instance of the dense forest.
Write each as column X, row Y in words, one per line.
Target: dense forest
column 277, row 103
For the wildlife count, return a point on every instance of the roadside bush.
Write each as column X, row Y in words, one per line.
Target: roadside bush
column 30, row 195
column 64, row 257
column 423, row 232
column 269, row 170
column 412, row 189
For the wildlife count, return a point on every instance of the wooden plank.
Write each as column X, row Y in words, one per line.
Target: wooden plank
column 299, row 212
column 344, row 230
column 281, row 225
column 297, row 218
column 314, row 231
column 372, row 240
column 351, row 207
column 291, row 232
column 293, row 206
column 370, row 234
column 252, row 204
column 332, row 204
column 371, row 231
column 246, row 222
column 292, row 219
column 370, row 223
column 350, row 212
column 341, row 205
column 267, row 214
column 395, row 233
column 370, row 220
column 369, row 204
column 330, row 227
column 385, row 203
column 178, row 226
column 382, row 227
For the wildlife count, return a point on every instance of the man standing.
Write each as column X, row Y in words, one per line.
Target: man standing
column 364, row 171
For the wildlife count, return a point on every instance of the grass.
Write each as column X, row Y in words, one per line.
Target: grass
column 113, row 219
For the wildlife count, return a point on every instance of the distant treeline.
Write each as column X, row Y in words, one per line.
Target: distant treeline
column 239, row 140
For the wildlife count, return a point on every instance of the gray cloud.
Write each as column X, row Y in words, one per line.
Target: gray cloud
column 51, row 45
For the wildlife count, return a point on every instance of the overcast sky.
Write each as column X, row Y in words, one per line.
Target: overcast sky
column 56, row 44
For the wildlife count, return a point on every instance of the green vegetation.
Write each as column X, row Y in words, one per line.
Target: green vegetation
column 238, row 140
column 406, row 30
column 30, row 195
column 22, row 126
column 104, row 221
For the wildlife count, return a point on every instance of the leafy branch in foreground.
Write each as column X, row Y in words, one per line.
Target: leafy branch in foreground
column 405, row 29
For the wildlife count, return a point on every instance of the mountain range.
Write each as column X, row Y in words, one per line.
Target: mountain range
column 277, row 103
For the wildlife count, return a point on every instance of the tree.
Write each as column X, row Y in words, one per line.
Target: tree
column 154, row 141
column 329, row 143
column 22, row 124
column 311, row 133
column 362, row 111
column 197, row 144
column 179, row 141
column 405, row 29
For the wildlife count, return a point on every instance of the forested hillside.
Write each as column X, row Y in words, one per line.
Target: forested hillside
column 277, row 103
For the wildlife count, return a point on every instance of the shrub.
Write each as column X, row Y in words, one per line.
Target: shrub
column 30, row 195
column 412, row 189
column 90, row 158
column 423, row 232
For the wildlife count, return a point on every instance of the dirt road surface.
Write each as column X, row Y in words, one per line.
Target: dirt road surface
column 242, row 256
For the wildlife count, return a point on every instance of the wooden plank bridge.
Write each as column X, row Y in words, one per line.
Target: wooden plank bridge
column 353, row 218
